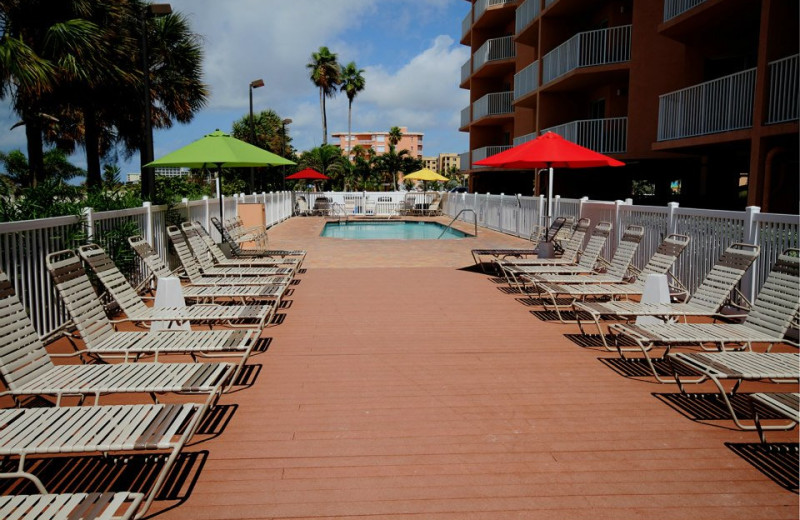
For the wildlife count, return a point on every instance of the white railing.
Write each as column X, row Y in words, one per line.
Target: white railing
column 482, row 5
column 526, row 13
column 464, row 161
column 784, row 90
column 609, row 135
column 466, row 23
column 673, row 8
column 492, row 50
column 466, row 117
column 525, row 138
column 526, row 80
column 494, row 104
column 24, row 245
column 486, row 151
column 720, row 105
column 588, row 49
column 466, row 70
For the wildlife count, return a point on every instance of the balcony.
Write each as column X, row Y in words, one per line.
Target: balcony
column 674, row 8
column 608, row 135
column 493, row 13
column 526, row 13
column 784, row 84
column 525, row 138
column 466, row 25
column 720, row 105
column 486, row 151
column 496, row 49
column 494, row 104
column 464, row 163
column 465, row 117
column 466, row 70
column 526, row 80
column 588, row 49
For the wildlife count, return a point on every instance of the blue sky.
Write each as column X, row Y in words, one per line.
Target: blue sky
column 408, row 48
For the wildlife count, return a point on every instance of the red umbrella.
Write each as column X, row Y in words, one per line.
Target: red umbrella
column 308, row 174
column 549, row 151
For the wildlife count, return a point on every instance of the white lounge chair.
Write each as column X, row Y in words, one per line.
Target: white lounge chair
column 80, row 506
column 237, row 251
column 210, row 255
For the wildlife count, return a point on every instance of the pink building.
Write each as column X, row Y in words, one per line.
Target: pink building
column 379, row 141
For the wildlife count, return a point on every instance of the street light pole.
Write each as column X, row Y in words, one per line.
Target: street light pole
column 258, row 83
column 147, row 175
column 283, row 179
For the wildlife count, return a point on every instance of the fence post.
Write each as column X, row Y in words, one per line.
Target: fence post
column 88, row 217
column 583, row 201
column 185, row 202
column 751, row 237
column 518, row 214
column 540, row 211
column 148, row 222
column 556, row 209
column 500, row 214
column 672, row 220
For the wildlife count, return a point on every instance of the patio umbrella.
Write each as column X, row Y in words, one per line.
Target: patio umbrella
column 308, row 174
column 222, row 150
column 549, row 151
column 425, row 175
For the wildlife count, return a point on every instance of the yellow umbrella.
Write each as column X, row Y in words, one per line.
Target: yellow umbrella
column 425, row 174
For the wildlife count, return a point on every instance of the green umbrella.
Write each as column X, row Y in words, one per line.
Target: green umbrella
column 222, row 150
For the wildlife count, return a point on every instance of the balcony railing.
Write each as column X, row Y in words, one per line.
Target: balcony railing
column 720, row 105
column 673, row 8
column 526, row 80
column 493, row 50
column 588, row 49
column 525, row 138
column 608, row 135
column 466, row 23
column 486, row 151
column 466, row 70
column 482, row 5
column 548, row 3
column 526, row 13
column 494, row 104
column 465, row 117
column 463, row 159
column 784, row 85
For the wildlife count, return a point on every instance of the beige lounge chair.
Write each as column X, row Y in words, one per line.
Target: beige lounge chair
column 769, row 318
column 80, row 506
column 27, row 433
column 787, row 405
column 660, row 263
column 249, row 316
column 210, row 255
column 570, row 254
column 433, row 209
column 27, row 369
column 537, row 235
column 209, row 289
column 238, row 251
column 707, row 299
column 100, row 338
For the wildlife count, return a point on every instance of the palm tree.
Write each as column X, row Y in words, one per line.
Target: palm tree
column 391, row 163
column 395, row 134
column 326, row 75
column 352, row 83
column 326, row 159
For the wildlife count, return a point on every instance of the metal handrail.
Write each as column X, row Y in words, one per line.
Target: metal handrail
column 337, row 207
column 450, row 225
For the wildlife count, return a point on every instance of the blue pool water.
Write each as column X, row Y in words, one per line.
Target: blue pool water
column 389, row 231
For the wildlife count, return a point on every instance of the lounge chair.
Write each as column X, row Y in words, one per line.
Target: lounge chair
column 571, row 252
column 75, row 430
column 537, row 234
column 212, row 288
column 707, row 299
column 322, row 207
column 517, row 273
column 193, row 267
column 433, row 209
column 769, row 319
column 250, row 316
column 80, row 506
column 237, row 251
column 301, row 206
column 27, row 369
column 787, row 405
column 100, row 338
column 210, row 255
column 660, row 263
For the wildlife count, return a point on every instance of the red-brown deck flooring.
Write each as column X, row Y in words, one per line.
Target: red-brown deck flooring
column 401, row 386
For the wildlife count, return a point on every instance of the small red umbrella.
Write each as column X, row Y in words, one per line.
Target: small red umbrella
column 308, row 174
column 549, row 151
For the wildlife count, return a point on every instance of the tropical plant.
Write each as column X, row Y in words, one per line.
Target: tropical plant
column 55, row 164
column 394, row 162
column 325, row 73
column 395, row 134
column 326, row 159
column 353, row 82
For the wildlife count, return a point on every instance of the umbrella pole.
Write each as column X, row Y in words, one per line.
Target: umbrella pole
column 549, row 196
column 219, row 192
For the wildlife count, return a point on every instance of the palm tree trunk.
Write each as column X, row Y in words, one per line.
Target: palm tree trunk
column 324, row 123
column 33, row 134
column 92, row 144
column 349, row 133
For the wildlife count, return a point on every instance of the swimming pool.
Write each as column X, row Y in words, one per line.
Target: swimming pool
column 402, row 230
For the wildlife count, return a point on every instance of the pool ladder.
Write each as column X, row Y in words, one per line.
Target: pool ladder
column 450, row 225
column 338, row 209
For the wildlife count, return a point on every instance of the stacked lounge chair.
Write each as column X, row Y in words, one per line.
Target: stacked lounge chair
column 238, row 251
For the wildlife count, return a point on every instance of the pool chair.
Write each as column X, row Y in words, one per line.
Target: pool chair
column 239, row 252
column 82, row 506
column 101, row 340
column 209, row 289
column 322, row 207
column 571, row 252
column 27, row 369
column 707, row 300
column 193, row 266
column 537, row 235
column 661, row 262
column 769, row 319
column 117, row 286
column 433, row 209
column 145, row 429
column 301, row 206
column 515, row 272
column 209, row 254
column 786, row 405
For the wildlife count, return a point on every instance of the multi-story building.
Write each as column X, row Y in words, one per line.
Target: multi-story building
column 379, row 141
column 698, row 97
column 443, row 162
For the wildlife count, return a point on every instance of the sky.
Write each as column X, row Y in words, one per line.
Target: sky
column 408, row 49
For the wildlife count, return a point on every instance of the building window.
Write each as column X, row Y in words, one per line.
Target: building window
column 380, row 148
column 379, row 138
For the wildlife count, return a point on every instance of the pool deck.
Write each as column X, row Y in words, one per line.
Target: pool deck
column 401, row 383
